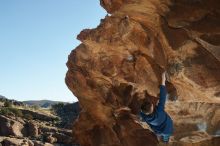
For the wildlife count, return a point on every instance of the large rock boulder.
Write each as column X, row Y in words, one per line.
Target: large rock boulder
column 10, row 127
column 32, row 129
column 39, row 143
column 14, row 142
column 120, row 62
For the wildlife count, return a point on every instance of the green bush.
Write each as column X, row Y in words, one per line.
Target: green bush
column 56, row 119
column 28, row 116
column 17, row 112
column 7, row 104
column 35, row 107
column 4, row 111
column 10, row 110
column 57, row 107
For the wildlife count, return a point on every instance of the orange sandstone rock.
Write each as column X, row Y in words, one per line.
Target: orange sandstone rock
column 119, row 64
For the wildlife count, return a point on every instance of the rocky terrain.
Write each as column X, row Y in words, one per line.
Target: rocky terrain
column 119, row 63
column 25, row 125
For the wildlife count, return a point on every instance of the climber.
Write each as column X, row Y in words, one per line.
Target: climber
column 159, row 121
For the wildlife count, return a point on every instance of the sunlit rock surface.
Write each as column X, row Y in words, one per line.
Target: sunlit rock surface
column 119, row 63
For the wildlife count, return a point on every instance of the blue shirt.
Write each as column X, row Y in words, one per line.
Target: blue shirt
column 159, row 121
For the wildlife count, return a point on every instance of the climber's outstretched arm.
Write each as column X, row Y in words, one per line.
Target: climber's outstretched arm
column 163, row 93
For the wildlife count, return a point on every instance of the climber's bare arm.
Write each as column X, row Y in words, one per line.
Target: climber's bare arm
column 163, row 92
column 163, row 80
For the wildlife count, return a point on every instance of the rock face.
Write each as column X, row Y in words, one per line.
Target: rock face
column 120, row 62
column 195, row 122
column 10, row 127
column 32, row 129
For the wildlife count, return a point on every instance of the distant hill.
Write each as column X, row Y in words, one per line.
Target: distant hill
column 14, row 102
column 2, row 97
column 42, row 103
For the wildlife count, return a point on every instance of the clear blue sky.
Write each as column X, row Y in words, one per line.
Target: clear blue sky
column 36, row 37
